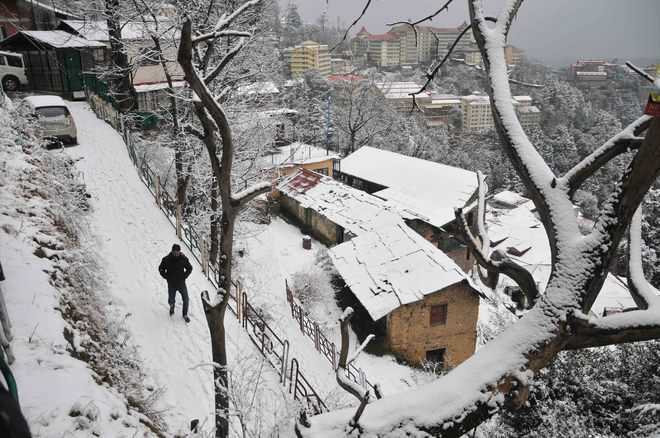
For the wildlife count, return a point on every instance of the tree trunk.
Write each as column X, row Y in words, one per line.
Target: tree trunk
column 215, row 224
column 120, row 82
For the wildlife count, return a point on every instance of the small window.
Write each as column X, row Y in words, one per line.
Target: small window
column 322, row 171
column 436, row 357
column 438, row 315
column 2, row 60
column 15, row 61
column 98, row 55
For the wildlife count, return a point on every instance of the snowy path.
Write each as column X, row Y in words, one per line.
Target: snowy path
column 134, row 235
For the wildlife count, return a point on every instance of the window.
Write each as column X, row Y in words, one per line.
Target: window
column 322, row 171
column 98, row 55
column 438, row 315
column 436, row 356
column 2, row 60
column 15, row 61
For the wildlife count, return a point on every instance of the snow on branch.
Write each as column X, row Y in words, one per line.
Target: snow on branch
column 364, row 11
column 627, row 139
column 498, row 263
column 645, row 295
column 413, row 24
column 245, row 196
column 225, row 21
column 226, row 60
column 347, row 384
column 640, row 72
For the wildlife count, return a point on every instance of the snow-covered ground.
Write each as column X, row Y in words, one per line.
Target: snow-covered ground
column 276, row 254
column 133, row 236
column 59, row 394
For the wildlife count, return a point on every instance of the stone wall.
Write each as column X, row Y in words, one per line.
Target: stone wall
column 410, row 334
column 310, row 221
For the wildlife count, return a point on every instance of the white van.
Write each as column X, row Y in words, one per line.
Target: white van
column 54, row 118
column 12, row 71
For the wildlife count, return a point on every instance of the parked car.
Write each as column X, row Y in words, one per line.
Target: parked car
column 54, row 118
column 12, row 71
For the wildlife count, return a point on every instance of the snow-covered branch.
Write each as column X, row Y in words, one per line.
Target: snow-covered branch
column 645, row 295
column 498, row 263
column 347, row 384
column 244, row 196
column 225, row 61
column 633, row 326
column 626, row 140
column 225, row 21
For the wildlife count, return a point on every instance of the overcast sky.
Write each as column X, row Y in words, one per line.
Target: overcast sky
column 555, row 31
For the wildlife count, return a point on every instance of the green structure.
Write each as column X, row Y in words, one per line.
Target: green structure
column 55, row 60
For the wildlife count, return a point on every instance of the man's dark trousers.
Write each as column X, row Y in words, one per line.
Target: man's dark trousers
column 172, row 289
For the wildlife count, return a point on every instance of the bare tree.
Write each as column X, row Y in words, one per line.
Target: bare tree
column 498, row 375
column 217, row 137
column 361, row 113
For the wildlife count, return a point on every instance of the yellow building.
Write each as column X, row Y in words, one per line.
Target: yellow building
column 309, row 55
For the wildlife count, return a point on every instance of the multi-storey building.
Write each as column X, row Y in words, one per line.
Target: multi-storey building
column 384, row 50
column 477, row 116
column 513, row 55
column 422, row 46
column 309, row 55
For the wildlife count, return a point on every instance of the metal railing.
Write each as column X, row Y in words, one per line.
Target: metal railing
column 273, row 347
column 323, row 345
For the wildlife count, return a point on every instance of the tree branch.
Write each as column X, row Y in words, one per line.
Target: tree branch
column 635, row 326
column 622, row 142
column 499, row 264
column 225, row 61
column 364, row 11
column 643, row 293
column 347, row 384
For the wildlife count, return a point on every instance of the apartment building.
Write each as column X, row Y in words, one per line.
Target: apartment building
column 422, row 46
column 477, row 116
column 309, row 55
column 513, row 55
column 384, row 50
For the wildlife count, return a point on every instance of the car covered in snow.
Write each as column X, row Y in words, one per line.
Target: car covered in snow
column 54, row 118
column 12, row 71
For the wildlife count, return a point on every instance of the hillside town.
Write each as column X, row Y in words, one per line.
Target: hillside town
column 222, row 219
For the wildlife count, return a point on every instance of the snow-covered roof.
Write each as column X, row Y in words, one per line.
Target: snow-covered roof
column 132, row 30
column 52, row 8
column 259, row 88
column 401, row 90
column 393, row 266
column 522, row 98
column 508, row 199
column 155, row 74
column 425, row 189
column 159, row 86
column 354, row 210
column 528, row 109
column 295, row 154
column 59, row 39
column 42, row 101
column 519, row 233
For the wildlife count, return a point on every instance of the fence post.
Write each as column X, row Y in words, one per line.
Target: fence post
column 334, row 357
column 300, row 318
column 157, row 191
column 178, row 221
column 205, row 258
column 316, row 336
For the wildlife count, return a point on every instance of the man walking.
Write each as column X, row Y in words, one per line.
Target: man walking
column 175, row 268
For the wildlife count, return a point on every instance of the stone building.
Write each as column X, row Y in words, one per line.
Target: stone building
column 422, row 306
column 414, row 297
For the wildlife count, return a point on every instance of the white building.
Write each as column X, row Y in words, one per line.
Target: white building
column 478, row 118
column 400, row 94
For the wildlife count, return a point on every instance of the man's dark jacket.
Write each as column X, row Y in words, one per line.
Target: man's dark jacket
column 175, row 269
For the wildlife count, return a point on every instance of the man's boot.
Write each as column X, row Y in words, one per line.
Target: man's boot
column 171, row 309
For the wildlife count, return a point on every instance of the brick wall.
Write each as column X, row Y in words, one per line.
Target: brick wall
column 410, row 334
